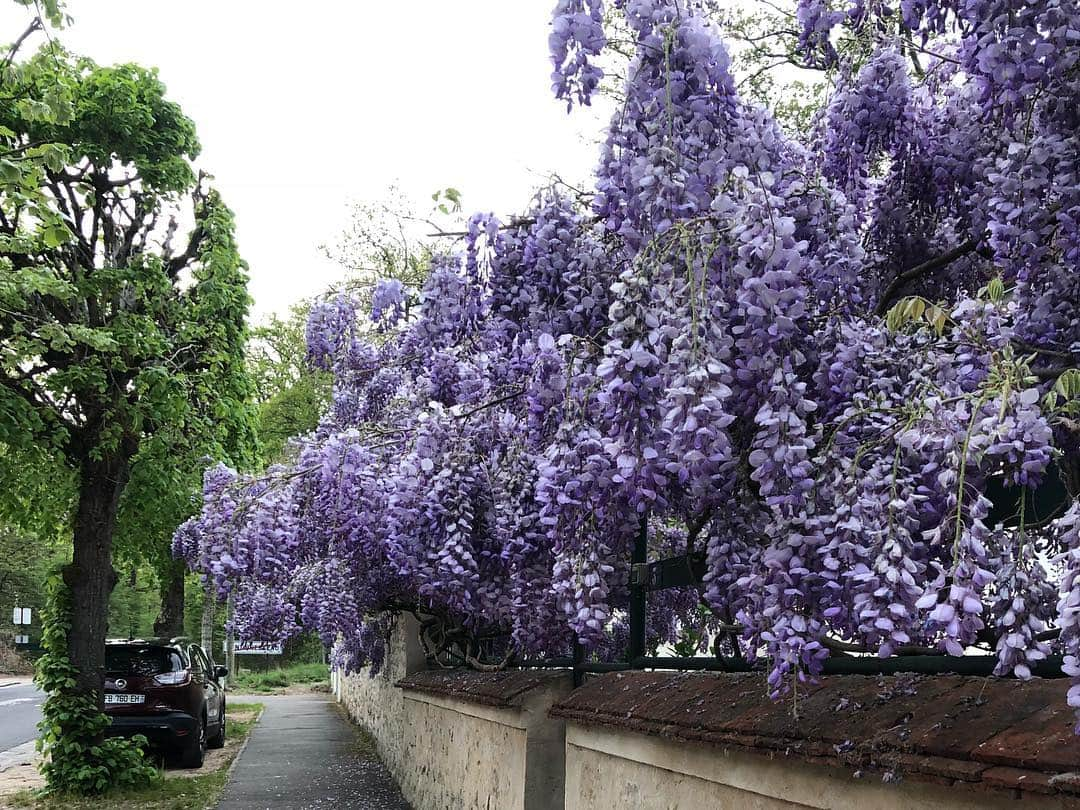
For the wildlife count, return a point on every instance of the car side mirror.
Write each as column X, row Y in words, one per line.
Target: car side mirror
column 221, row 672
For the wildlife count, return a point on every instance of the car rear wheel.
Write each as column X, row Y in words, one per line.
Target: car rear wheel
column 193, row 752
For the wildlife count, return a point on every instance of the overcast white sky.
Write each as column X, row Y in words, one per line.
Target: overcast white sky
column 303, row 107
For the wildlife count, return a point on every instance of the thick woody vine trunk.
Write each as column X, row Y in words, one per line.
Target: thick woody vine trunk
column 170, row 621
column 90, row 576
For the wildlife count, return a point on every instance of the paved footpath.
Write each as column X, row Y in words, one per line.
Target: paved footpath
column 304, row 754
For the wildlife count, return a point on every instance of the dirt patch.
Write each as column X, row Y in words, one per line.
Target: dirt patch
column 291, row 689
column 23, row 776
column 216, row 758
column 307, row 689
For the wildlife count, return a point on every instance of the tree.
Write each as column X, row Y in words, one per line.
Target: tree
column 293, row 412
column 291, row 396
column 116, row 344
column 386, row 239
column 842, row 366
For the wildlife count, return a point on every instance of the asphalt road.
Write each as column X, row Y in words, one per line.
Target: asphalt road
column 20, row 711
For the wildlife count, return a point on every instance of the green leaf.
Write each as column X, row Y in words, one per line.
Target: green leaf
column 10, row 171
column 55, row 235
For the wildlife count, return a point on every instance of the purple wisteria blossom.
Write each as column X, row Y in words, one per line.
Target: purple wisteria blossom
column 820, row 361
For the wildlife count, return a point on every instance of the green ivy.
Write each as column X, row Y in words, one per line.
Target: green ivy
column 78, row 759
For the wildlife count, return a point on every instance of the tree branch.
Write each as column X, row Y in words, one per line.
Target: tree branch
column 36, row 399
column 918, row 270
column 35, row 25
column 492, row 403
column 1052, row 372
column 516, row 222
column 177, row 263
column 694, row 529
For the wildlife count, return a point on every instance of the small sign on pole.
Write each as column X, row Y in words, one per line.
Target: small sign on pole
column 257, row 648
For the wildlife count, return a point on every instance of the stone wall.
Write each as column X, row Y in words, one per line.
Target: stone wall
column 462, row 741
column 524, row 740
column 376, row 703
column 663, row 740
column 609, row 769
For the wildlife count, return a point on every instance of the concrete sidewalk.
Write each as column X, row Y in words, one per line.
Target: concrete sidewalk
column 304, row 754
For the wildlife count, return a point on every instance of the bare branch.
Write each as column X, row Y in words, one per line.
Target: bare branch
column 515, row 222
column 493, row 403
column 35, row 25
column 918, row 270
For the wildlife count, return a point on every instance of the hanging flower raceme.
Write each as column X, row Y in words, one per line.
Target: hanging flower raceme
column 388, row 303
column 816, row 19
column 330, row 330
column 1068, row 607
column 1022, row 610
column 695, row 358
column 870, row 118
column 577, row 37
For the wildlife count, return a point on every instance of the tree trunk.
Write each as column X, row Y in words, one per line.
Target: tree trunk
column 170, row 621
column 230, row 652
column 207, row 635
column 90, row 575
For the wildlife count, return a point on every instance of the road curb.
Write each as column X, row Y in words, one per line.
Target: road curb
column 22, row 754
column 243, row 747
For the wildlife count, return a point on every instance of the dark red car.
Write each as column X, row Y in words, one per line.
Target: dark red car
column 168, row 691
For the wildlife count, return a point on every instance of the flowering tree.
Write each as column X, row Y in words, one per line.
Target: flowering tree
column 818, row 360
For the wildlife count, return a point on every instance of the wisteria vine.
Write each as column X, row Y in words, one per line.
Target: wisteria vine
column 842, row 368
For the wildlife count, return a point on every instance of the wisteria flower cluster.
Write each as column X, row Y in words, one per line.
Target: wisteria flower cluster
column 821, row 364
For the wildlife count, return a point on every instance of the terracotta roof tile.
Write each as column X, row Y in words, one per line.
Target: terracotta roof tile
column 965, row 720
column 503, row 689
column 1018, row 778
column 1045, row 740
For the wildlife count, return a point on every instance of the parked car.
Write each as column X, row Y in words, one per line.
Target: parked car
column 167, row 690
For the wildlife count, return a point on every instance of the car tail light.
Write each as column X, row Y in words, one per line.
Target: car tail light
column 173, row 678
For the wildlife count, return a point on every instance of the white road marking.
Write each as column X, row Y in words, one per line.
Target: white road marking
column 13, row 701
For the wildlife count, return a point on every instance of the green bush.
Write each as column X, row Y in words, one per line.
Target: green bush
column 280, row 678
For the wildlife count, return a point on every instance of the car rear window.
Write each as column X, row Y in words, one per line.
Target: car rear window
column 142, row 660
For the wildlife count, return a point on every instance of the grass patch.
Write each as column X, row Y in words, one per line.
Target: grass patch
column 195, row 793
column 267, row 683
column 235, row 728
column 168, row 792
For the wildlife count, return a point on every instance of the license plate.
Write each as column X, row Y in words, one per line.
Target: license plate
column 125, row 698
